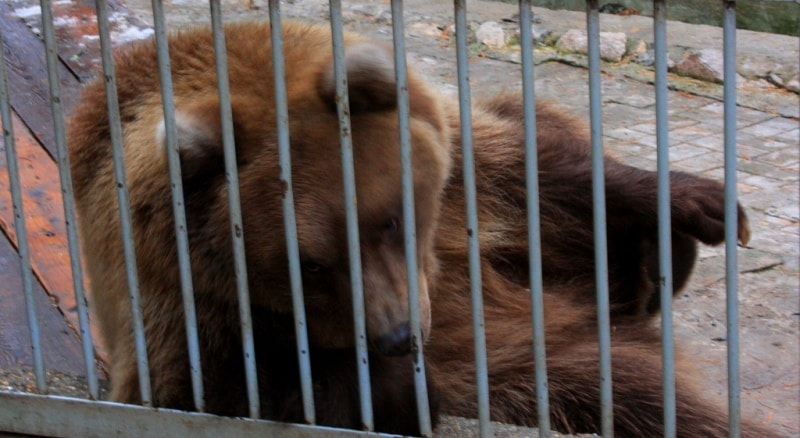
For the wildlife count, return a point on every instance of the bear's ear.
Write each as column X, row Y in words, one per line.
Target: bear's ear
column 199, row 138
column 370, row 79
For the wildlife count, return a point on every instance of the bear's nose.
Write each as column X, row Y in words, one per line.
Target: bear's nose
column 395, row 343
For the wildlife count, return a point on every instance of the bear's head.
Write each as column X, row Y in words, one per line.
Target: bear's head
column 317, row 185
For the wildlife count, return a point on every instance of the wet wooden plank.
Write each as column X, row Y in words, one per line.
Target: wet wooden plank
column 76, row 34
column 27, row 75
column 78, row 49
column 44, row 219
column 60, row 348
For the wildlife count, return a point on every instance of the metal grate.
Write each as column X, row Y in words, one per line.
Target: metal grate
column 52, row 415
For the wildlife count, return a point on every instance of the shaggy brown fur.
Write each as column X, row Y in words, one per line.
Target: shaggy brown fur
column 567, row 253
column 317, row 184
column 567, row 247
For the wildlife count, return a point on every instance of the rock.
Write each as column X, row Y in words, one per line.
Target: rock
column 540, row 34
column 794, row 84
column 612, row 44
column 784, row 79
column 705, row 64
column 648, row 59
column 636, row 48
column 425, row 29
column 492, row 35
column 776, row 79
column 753, row 84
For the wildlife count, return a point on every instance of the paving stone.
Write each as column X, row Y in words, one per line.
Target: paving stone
column 745, row 191
column 791, row 137
column 761, row 168
column 762, row 182
column 685, row 151
column 614, row 114
column 766, row 129
column 686, row 102
column 690, row 132
column 746, row 145
column 784, row 210
column 782, row 124
column 748, row 116
column 701, row 164
column 714, row 108
column 646, row 163
column 771, row 144
column 617, row 148
column 786, row 158
column 672, row 125
column 636, row 100
column 630, row 136
column 752, row 259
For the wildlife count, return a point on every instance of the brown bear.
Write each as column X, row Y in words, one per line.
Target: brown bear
column 567, row 248
column 317, row 183
column 569, row 285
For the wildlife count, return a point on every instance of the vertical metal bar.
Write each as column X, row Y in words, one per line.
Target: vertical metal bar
column 19, row 226
column 178, row 210
column 599, row 202
column 234, row 202
column 534, row 231
column 731, row 219
column 232, row 179
column 475, row 281
column 350, row 203
column 289, row 218
column 68, row 198
column 664, row 223
column 237, row 233
column 121, row 181
column 409, row 222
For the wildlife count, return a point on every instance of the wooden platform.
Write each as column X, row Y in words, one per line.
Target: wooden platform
column 35, row 140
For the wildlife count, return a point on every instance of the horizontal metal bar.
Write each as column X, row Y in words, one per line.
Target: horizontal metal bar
column 62, row 416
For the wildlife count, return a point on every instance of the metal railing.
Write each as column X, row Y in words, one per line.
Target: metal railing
column 45, row 414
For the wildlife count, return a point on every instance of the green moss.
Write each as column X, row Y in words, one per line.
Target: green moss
column 781, row 17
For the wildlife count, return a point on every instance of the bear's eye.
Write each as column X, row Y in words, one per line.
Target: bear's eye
column 312, row 267
column 391, row 229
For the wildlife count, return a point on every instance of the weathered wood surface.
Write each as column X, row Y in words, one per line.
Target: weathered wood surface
column 60, row 348
column 45, row 223
column 78, row 50
column 27, row 76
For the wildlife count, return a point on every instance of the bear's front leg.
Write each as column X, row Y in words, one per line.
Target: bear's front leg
column 697, row 204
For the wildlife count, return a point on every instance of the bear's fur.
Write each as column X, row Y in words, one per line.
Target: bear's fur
column 568, row 277
column 567, row 244
column 317, row 183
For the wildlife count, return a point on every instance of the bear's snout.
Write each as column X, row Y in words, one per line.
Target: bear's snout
column 395, row 343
